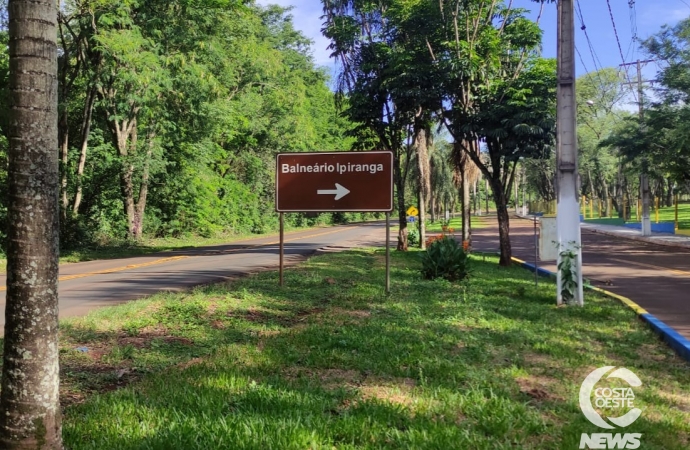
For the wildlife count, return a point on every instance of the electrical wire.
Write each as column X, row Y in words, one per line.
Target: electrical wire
column 633, row 30
column 598, row 66
column 620, row 49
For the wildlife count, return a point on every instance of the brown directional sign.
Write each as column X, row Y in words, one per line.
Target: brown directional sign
column 337, row 181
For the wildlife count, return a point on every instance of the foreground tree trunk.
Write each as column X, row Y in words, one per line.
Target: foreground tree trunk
column 29, row 402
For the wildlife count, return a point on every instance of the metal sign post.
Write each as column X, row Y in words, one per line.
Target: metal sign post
column 335, row 182
column 388, row 253
column 282, row 245
column 536, row 253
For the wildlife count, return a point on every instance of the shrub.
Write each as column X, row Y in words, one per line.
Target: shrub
column 413, row 237
column 445, row 258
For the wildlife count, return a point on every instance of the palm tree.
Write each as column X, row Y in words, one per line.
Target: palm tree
column 29, row 402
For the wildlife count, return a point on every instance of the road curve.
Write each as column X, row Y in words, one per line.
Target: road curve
column 88, row 285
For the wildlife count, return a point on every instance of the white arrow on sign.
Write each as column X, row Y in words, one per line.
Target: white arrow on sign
column 339, row 191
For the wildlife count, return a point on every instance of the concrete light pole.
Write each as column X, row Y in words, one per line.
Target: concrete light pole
column 568, row 218
column 644, row 178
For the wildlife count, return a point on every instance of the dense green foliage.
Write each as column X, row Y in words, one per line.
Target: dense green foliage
column 617, row 145
column 171, row 114
column 471, row 68
column 658, row 142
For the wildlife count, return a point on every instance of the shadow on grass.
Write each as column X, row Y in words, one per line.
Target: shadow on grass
column 329, row 360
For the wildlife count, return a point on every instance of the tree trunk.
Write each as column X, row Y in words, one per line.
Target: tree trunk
column 503, row 223
column 486, row 199
column 29, row 400
column 432, row 208
column 424, row 185
column 140, row 207
column 474, row 196
column 466, row 207
column 400, row 192
column 85, row 132
column 605, row 197
column 63, row 127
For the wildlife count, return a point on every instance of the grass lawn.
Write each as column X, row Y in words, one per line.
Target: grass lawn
column 328, row 362
column 668, row 214
column 456, row 224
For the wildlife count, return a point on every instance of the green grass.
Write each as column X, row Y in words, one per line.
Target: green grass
column 607, row 221
column 668, row 214
column 455, row 224
column 328, row 362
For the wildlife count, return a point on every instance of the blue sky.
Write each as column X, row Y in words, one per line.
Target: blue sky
column 649, row 18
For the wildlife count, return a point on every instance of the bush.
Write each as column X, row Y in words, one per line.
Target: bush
column 445, row 258
column 413, row 237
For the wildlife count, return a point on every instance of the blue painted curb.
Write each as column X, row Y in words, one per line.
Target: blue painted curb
column 669, row 335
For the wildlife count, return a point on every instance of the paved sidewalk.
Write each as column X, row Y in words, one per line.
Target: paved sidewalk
column 675, row 240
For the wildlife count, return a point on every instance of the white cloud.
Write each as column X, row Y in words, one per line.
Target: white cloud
column 655, row 15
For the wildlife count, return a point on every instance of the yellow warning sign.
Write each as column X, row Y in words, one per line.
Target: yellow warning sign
column 412, row 211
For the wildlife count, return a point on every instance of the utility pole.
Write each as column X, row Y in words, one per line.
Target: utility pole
column 644, row 178
column 568, row 218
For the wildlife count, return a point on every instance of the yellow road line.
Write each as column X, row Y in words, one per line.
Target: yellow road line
column 652, row 266
column 307, row 237
column 116, row 269
column 177, row 258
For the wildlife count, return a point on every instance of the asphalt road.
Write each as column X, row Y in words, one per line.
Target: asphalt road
column 88, row 285
column 655, row 277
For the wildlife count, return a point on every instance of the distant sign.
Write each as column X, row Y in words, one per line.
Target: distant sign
column 412, row 211
column 335, row 181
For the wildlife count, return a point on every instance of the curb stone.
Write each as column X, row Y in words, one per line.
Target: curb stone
column 668, row 334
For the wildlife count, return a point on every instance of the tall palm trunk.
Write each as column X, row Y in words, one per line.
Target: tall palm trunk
column 29, row 401
column 424, row 185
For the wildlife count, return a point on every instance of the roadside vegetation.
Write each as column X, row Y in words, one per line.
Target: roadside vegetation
column 329, row 361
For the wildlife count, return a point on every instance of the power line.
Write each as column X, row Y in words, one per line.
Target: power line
column 583, row 27
column 598, row 66
column 633, row 29
column 620, row 48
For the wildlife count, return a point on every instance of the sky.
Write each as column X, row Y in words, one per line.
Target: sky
column 647, row 17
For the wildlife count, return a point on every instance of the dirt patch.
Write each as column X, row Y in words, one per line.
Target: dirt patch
column 537, row 359
column 281, row 318
column 652, row 352
column 539, row 388
column 144, row 339
column 327, row 378
column 676, row 400
column 190, row 363
column 218, row 325
column 354, row 313
column 397, row 391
